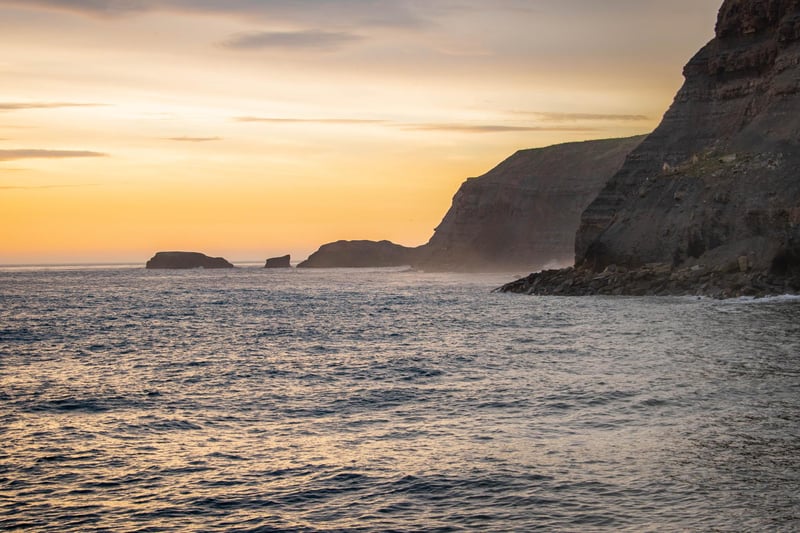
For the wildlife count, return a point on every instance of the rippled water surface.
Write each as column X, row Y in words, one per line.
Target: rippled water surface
column 378, row 400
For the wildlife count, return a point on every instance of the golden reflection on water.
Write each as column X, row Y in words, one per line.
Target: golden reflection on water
column 200, row 401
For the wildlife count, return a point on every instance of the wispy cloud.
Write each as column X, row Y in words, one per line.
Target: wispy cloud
column 489, row 128
column 87, row 7
column 18, row 106
column 287, row 40
column 30, row 153
column 194, row 139
column 316, row 13
column 280, row 120
column 450, row 126
column 575, row 117
column 39, row 187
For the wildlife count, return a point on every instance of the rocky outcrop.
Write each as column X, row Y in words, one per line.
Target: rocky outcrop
column 719, row 179
column 279, row 262
column 184, row 260
column 659, row 279
column 524, row 213
column 360, row 254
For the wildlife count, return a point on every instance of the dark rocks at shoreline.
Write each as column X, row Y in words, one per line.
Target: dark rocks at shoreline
column 524, row 213
column 185, row 260
column 360, row 254
column 284, row 261
column 734, row 280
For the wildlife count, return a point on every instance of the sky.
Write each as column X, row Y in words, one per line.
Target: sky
column 254, row 128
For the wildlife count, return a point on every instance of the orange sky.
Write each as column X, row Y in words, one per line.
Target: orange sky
column 252, row 128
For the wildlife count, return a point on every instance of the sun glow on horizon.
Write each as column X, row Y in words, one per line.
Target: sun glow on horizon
column 257, row 129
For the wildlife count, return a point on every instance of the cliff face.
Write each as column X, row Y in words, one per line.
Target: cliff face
column 719, row 179
column 360, row 254
column 524, row 213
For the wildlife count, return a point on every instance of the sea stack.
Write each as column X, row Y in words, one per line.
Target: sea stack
column 185, row 260
column 709, row 203
column 284, row 261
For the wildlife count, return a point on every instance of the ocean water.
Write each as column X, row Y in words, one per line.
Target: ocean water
column 383, row 400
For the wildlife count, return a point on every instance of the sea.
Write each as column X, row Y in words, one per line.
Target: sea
column 254, row 400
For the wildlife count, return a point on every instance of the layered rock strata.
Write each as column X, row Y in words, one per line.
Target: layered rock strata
column 523, row 214
column 719, row 179
column 185, row 260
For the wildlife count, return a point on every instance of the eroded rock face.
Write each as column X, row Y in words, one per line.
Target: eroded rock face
column 524, row 213
column 719, row 179
column 360, row 254
column 184, row 260
column 279, row 262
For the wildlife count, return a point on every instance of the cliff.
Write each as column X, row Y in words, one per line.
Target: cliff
column 524, row 213
column 359, row 254
column 719, row 177
column 716, row 187
column 184, row 260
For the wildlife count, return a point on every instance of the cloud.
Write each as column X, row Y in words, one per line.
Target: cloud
column 29, row 153
column 451, row 127
column 17, row 106
column 489, row 128
column 573, row 117
column 39, row 187
column 321, row 13
column 194, row 139
column 278, row 120
column 88, row 7
column 309, row 39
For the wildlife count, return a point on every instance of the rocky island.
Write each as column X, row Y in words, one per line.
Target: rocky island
column 185, row 260
column 524, row 213
column 360, row 254
column 709, row 203
column 284, row 261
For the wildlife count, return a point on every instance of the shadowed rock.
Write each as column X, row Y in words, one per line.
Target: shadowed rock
column 524, row 213
column 717, row 184
column 360, row 254
column 719, row 177
column 279, row 262
column 733, row 280
column 184, row 260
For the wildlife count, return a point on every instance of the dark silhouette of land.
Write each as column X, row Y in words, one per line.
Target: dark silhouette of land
column 185, row 260
column 709, row 203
